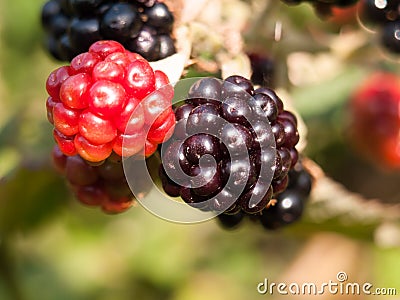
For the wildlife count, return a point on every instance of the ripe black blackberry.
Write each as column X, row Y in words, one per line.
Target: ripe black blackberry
column 390, row 37
column 290, row 203
column 379, row 12
column 385, row 17
column 230, row 142
column 102, row 185
column 142, row 26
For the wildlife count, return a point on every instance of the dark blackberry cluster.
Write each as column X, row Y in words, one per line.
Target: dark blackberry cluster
column 142, row 26
column 102, row 184
column 385, row 15
column 225, row 135
column 288, row 207
column 323, row 7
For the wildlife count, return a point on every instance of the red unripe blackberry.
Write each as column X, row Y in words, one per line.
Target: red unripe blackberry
column 106, row 101
column 104, row 106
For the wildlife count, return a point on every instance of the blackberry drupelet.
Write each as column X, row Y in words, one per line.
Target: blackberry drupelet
column 230, row 221
column 142, row 26
column 390, row 36
column 290, row 203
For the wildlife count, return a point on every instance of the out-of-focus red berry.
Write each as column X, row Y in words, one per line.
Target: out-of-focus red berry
column 375, row 119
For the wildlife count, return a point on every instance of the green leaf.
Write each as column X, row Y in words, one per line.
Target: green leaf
column 387, row 268
column 30, row 197
column 318, row 100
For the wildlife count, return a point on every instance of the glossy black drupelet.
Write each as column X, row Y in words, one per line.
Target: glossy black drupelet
column 390, row 36
column 142, row 26
column 230, row 221
column 290, row 203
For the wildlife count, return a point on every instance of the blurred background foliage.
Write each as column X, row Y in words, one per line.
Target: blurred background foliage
column 51, row 247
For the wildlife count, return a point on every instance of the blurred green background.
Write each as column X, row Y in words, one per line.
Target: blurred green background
column 51, row 247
